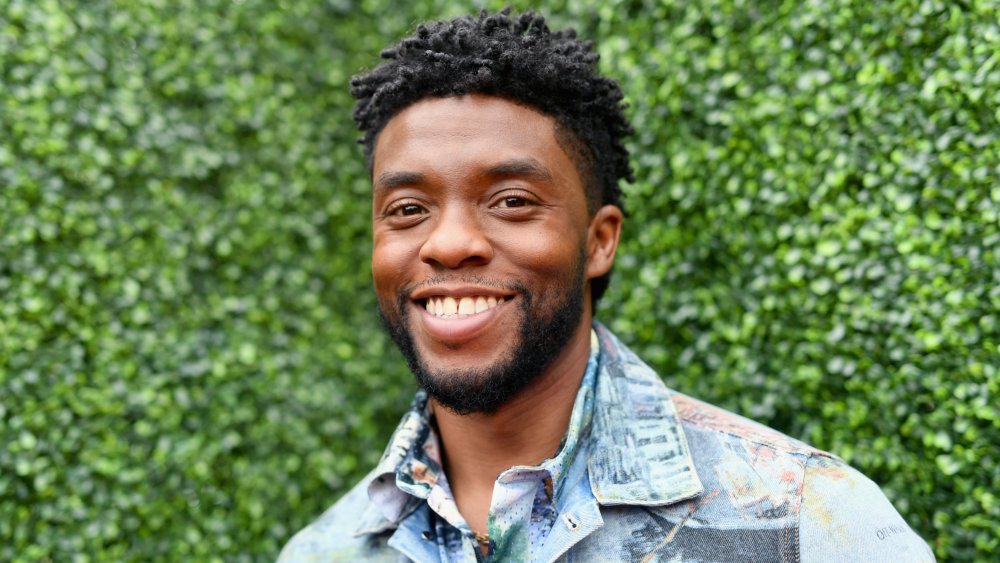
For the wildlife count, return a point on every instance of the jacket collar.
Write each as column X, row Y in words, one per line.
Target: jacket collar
column 638, row 453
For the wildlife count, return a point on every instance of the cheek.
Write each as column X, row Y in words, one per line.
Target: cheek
column 547, row 254
column 390, row 265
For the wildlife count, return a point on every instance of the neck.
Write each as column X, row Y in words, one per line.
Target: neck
column 524, row 431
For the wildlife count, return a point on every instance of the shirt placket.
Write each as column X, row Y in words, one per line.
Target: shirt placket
column 514, row 496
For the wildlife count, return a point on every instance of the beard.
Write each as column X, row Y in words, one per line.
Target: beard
column 544, row 331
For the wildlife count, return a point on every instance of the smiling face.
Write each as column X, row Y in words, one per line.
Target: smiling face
column 482, row 246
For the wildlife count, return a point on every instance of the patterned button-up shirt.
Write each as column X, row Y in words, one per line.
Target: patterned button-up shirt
column 644, row 474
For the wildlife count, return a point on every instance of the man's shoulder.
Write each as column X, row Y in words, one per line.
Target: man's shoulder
column 333, row 537
column 763, row 493
column 698, row 416
column 774, row 484
column 737, row 455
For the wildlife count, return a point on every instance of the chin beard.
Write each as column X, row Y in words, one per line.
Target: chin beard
column 541, row 337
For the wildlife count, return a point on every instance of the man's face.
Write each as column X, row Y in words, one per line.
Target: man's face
column 480, row 246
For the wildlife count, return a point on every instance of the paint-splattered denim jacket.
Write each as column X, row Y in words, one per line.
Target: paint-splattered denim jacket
column 644, row 474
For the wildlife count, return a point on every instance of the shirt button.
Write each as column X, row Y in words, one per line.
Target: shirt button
column 570, row 522
column 427, row 535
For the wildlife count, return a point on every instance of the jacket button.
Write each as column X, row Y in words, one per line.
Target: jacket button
column 427, row 535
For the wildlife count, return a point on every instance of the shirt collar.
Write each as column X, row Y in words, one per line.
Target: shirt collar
column 395, row 493
column 579, row 426
column 638, row 453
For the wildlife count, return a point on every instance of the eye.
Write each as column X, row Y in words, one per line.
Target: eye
column 512, row 201
column 405, row 209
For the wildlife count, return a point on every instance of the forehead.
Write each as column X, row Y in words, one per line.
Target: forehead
column 466, row 132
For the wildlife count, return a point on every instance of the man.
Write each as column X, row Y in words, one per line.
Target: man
column 496, row 152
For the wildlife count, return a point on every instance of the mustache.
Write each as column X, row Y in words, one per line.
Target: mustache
column 515, row 286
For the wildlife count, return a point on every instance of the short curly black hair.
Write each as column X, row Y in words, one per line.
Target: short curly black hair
column 516, row 58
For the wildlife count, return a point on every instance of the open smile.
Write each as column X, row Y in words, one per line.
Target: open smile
column 457, row 308
column 453, row 317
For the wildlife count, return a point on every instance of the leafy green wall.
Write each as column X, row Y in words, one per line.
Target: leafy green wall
column 190, row 363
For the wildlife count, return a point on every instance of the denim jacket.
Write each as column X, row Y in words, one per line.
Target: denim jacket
column 644, row 474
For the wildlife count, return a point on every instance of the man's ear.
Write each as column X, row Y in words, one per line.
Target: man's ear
column 602, row 240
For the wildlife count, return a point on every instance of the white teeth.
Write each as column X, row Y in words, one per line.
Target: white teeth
column 450, row 306
column 466, row 306
column 461, row 307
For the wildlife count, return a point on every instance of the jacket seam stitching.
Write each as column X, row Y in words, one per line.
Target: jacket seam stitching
column 807, row 451
column 801, row 497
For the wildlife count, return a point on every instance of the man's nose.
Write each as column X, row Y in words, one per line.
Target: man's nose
column 457, row 240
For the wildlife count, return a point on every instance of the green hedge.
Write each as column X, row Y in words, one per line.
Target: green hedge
column 190, row 363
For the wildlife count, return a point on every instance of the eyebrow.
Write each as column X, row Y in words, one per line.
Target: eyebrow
column 389, row 180
column 518, row 167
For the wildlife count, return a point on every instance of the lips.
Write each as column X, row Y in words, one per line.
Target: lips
column 457, row 315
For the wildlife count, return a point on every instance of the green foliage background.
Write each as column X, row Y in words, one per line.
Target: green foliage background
column 190, row 363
